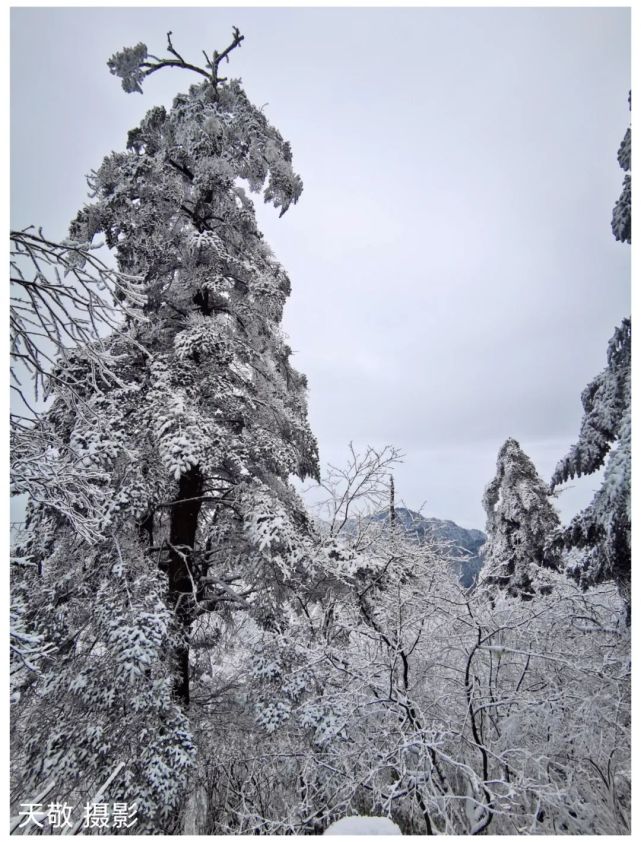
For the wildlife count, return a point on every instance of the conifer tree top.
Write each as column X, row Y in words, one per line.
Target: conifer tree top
column 520, row 521
column 134, row 64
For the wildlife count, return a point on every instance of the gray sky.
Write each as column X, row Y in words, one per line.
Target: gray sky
column 455, row 281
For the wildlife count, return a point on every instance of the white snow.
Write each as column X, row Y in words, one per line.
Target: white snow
column 363, row 826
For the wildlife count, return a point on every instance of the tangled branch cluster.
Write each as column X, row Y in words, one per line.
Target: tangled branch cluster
column 62, row 296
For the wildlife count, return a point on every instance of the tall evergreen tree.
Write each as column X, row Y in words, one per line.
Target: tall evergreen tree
column 520, row 523
column 602, row 533
column 165, row 484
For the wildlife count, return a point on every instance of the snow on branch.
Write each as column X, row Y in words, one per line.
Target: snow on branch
column 134, row 64
column 62, row 296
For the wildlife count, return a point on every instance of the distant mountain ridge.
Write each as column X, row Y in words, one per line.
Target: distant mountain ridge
column 464, row 544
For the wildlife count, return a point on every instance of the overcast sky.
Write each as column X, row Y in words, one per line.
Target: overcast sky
column 455, row 280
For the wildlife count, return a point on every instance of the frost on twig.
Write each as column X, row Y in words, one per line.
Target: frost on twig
column 63, row 296
column 134, row 64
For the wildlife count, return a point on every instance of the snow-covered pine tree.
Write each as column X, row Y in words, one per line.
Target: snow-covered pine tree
column 622, row 213
column 165, row 488
column 602, row 531
column 520, row 522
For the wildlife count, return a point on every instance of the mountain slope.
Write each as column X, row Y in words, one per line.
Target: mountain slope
column 464, row 545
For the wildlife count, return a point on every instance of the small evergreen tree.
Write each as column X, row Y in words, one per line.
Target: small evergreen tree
column 164, row 485
column 520, row 523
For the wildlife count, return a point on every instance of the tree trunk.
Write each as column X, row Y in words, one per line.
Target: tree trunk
column 180, row 572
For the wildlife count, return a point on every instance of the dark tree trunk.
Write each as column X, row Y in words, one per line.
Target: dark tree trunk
column 180, row 570
column 392, row 505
